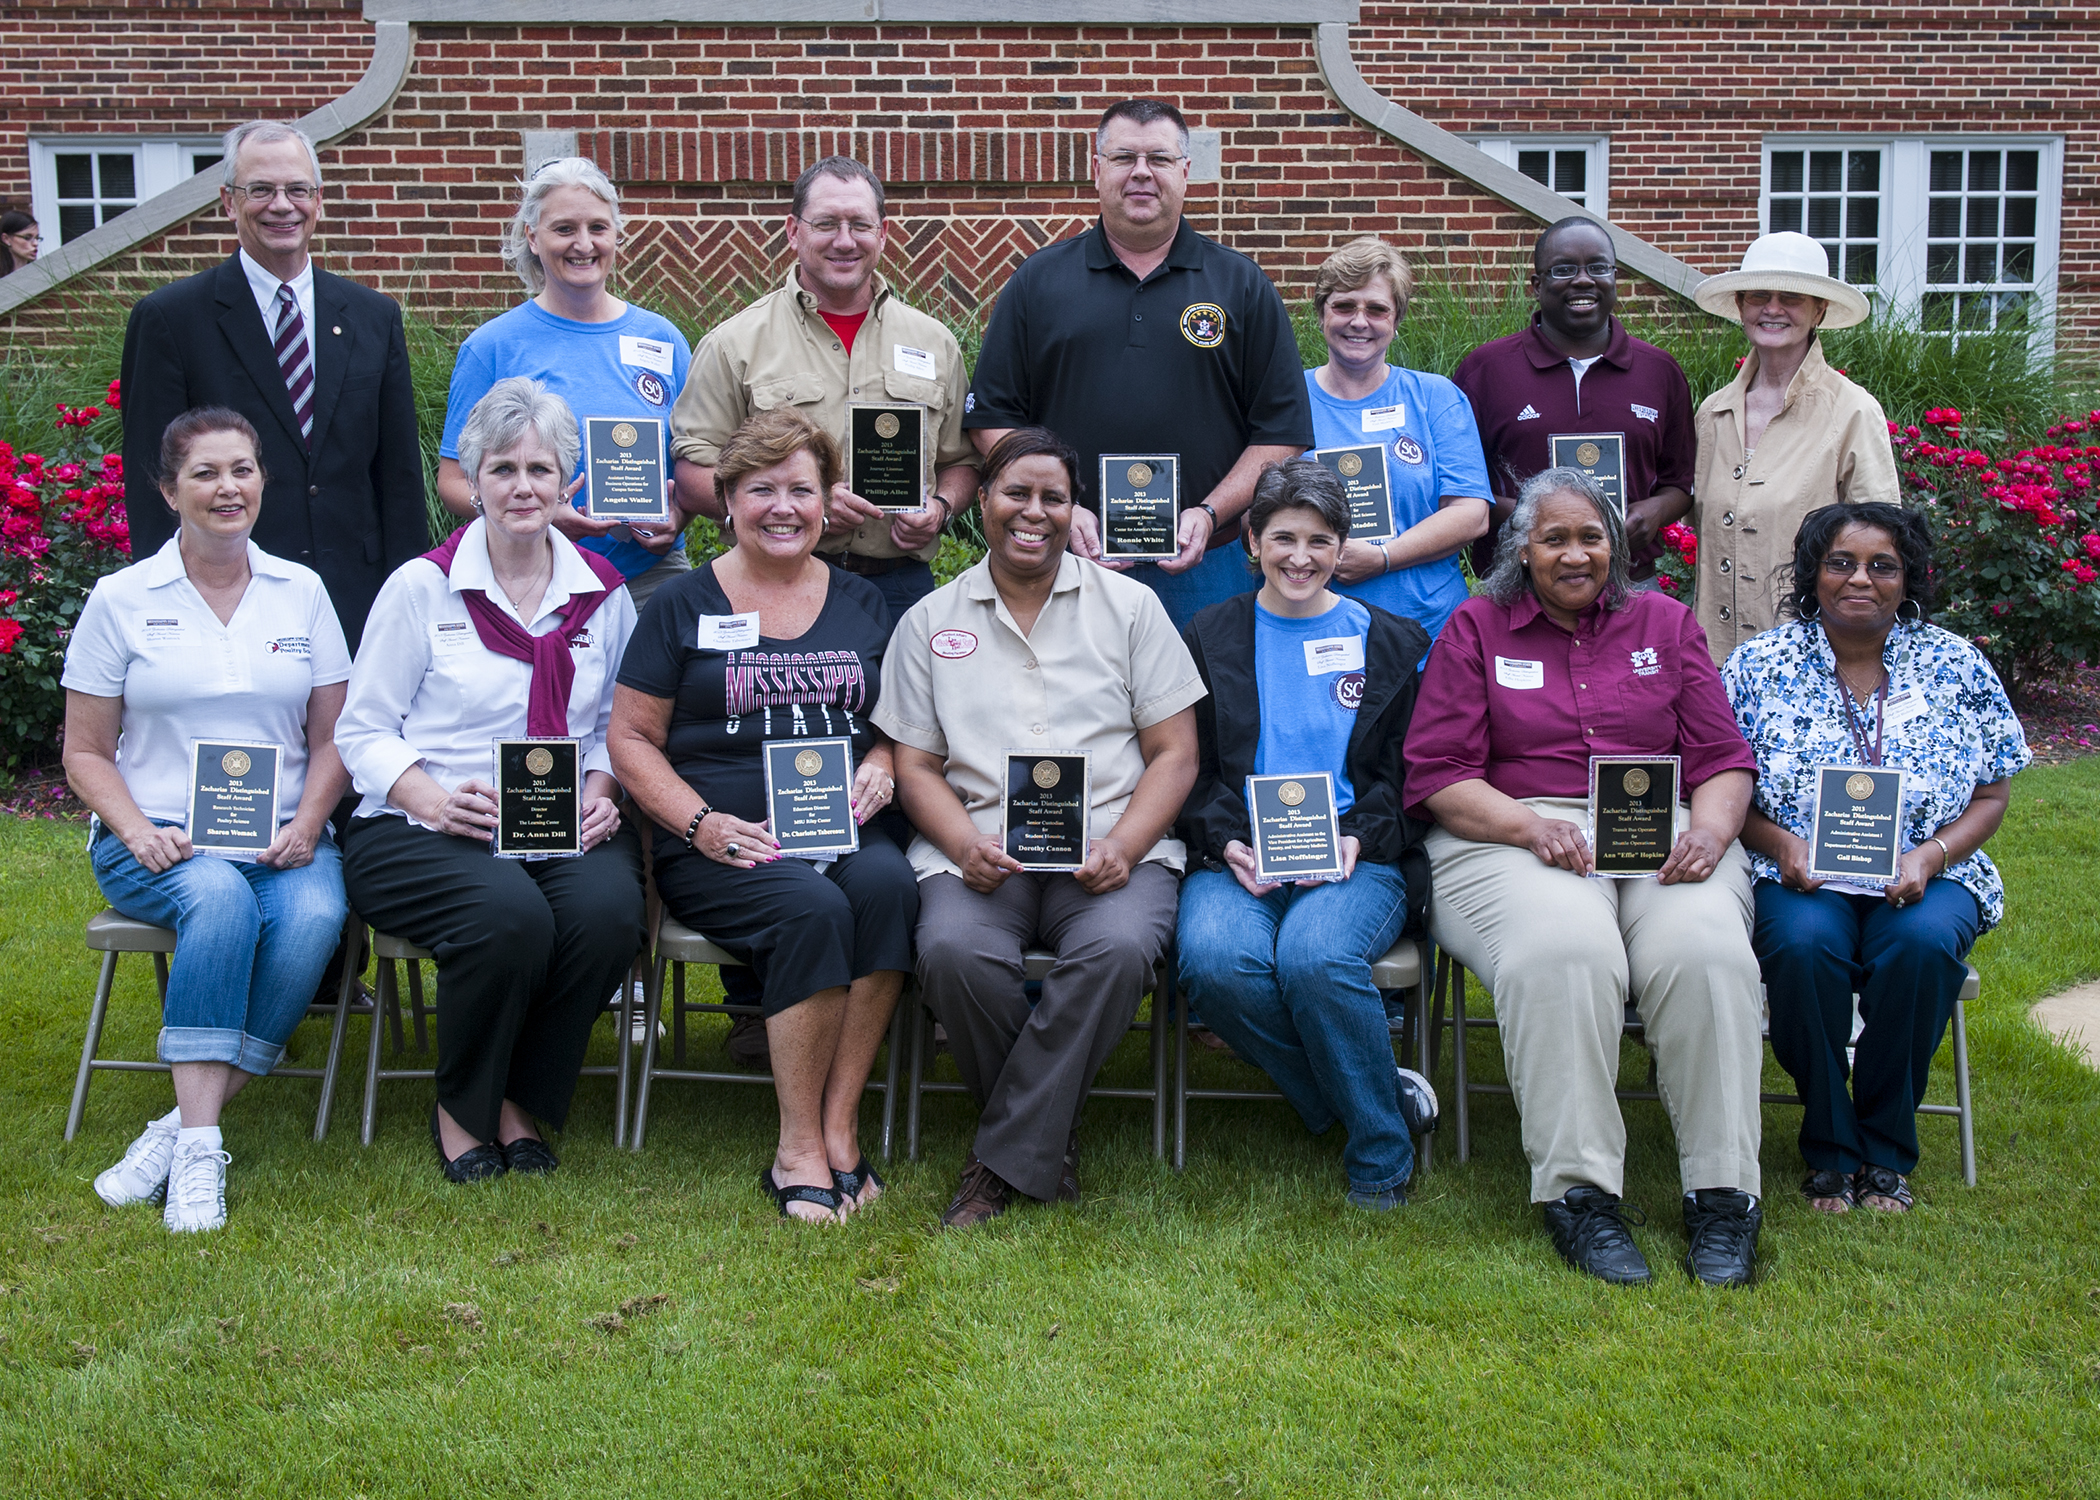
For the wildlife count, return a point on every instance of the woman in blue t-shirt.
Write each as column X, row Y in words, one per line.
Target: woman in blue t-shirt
column 605, row 357
column 1304, row 681
column 1425, row 424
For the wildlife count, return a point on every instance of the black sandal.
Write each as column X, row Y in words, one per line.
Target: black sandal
column 1829, row 1184
column 850, row 1183
column 1882, row 1182
column 801, row 1192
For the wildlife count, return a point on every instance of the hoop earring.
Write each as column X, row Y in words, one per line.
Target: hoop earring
column 1917, row 611
column 1810, row 615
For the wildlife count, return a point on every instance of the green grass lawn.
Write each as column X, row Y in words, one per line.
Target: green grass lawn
column 645, row 1325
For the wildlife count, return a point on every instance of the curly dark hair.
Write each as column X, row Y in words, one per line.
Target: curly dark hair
column 1819, row 531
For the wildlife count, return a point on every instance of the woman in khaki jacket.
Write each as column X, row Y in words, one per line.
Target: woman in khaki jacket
column 1790, row 434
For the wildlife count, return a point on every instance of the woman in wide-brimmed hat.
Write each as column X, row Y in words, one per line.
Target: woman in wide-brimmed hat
column 1789, row 435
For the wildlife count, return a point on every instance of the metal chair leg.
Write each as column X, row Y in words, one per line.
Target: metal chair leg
column 1163, row 994
column 1458, row 1062
column 895, row 1047
column 1181, row 1078
column 352, row 967
column 160, row 976
column 652, row 1005
column 415, row 1000
column 1967, row 1121
column 678, row 1014
column 382, row 1000
column 623, row 1017
column 1418, row 1020
column 917, row 1025
column 96, row 1014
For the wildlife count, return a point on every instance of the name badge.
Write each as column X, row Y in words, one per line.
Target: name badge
column 728, row 632
column 159, row 630
column 1384, row 418
column 449, row 636
column 1341, row 653
column 917, row 362
column 1522, row 675
column 648, row 354
column 1903, row 707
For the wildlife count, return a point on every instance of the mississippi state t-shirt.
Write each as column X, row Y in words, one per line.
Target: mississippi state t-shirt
column 733, row 687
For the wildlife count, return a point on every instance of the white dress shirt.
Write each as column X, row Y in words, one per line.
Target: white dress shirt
column 265, row 286
column 147, row 636
column 426, row 692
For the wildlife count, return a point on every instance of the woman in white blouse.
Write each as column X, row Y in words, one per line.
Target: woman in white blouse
column 211, row 638
column 461, row 650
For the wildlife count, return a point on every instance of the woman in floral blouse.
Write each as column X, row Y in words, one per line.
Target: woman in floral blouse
column 1859, row 677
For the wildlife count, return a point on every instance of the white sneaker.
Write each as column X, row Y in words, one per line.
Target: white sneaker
column 1418, row 1103
column 142, row 1176
column 637, row 1023
column 196, row 1190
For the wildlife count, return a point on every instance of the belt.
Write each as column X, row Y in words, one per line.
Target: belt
column 869, row 567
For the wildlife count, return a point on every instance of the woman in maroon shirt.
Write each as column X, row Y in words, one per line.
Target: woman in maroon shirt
column 1555, row 661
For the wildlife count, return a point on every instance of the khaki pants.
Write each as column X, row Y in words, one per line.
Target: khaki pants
column 1558, row 951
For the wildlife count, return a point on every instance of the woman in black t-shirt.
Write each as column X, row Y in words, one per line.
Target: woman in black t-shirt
column 769, row 642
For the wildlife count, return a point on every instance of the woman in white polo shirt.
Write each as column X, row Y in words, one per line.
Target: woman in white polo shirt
column 506, row 631
column 211, row 638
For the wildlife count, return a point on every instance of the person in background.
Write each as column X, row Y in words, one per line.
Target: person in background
column 20, row 240
column 1438, row 476
column 603, row 356
column 210, row 638
column 1790, row 434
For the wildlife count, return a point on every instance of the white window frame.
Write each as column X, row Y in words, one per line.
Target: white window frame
column 1597, row 171
column 1905, row 195
column 159, row 162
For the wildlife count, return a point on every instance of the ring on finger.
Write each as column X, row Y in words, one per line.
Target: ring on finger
column 732, row 850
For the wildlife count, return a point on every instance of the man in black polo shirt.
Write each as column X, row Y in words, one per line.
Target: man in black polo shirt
column 1142, row 336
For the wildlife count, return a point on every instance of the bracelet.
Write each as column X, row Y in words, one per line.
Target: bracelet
column 1946, row 854
column 1386, row 553
column 693, row 828
column 947, row 510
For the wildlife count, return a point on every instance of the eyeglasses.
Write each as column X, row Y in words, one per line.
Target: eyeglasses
column 860, row 229
column 260, row 193
column 1125, row 161
column 23, row 234
column 1784, row 299
column 1600, row 270
column 1839, row 566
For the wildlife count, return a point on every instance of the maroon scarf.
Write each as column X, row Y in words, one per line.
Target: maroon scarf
column 553, row 669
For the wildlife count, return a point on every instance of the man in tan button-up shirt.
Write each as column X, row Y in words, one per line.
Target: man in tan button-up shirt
column 830, row 334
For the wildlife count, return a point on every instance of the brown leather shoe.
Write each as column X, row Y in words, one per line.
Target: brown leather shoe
column 982, row 1194
column 747, row 1045
column 1068, row 1179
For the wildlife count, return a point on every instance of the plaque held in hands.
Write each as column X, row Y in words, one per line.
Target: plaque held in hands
column 1045, row 808
column 1141, row 506
column 1633, row 813
column 1296, row 833
column 1856, row 835
column 889, row 463
column 233, row 796
column 624, row 462
column 1600, row 455
column 1368, row 485
column 809, row 797
column 539, row 799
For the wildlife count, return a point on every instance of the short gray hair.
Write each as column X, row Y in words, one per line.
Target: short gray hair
column 1509, row 580
column 500, row 420
column 563, row 171
column 262, row 133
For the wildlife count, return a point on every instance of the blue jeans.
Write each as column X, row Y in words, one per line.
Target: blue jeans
column 1819, row 948
column 1222, row 573
column 1286, row 980
column 250, row 945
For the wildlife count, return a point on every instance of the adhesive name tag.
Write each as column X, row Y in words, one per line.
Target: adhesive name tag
column 449, row 636
column 917, row 362
column 647, row 354
column 160, row 630
column 1341, row 653
column 1903, row 707
column 728, row 632
column 1384, row 418
column 1520, row 674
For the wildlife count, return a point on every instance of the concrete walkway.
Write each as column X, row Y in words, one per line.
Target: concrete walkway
column 2074, row 1017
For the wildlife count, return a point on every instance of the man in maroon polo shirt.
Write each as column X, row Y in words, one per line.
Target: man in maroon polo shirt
column 1576, row 370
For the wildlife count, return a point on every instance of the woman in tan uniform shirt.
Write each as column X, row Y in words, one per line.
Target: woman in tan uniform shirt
column 1789, row 435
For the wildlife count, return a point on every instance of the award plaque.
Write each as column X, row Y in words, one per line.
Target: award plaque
column 539, row 799
column 1368, row 484
column 1141, row 506
column 809, row 797
column 1600, row 455
column 1045, row 808
column 1296, row 836
column 1856, row 833
column 233, row 797
column 889, row 462
column 1633, row 813
column 624, row 459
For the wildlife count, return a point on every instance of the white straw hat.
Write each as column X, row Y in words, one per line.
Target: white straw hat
column 1785, row 262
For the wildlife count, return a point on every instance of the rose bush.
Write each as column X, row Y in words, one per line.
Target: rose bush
column 2018, row 542
column 62, row 526
column 1678, row 566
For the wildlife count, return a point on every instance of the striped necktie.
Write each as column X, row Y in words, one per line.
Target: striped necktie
column 295, row 358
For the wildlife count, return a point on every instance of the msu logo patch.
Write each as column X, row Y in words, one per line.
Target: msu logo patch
column 1203, row 324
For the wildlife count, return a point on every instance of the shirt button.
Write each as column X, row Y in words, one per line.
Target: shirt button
column 1139, row 318
column 1725, row 614
column 1038, row 729
column 1030, row 665
column 313, row 489
column 1739, row 468
column 1728, row 519
column 1727, row 566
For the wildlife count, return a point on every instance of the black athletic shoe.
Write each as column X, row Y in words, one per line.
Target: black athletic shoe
column 1589, row 1231
column 1723, row 1225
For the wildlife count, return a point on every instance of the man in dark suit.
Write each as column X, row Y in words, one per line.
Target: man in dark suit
column 319, row 365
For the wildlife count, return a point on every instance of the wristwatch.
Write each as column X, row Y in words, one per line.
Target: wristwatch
column 1212, row 511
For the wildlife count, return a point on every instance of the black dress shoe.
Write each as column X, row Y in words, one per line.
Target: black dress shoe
column 529, row 1154
column 479, row 1164
column 1068, row 1176
column 1723, row 1225
column 1589, row 1231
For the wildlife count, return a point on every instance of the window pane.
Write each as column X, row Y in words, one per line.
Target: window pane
column 1974, row 312
column 1983, row 218
column 2012, row 309
column 1936, row 310
column 199, row 160
column 1982, row 263
column 2019, row 264
column 1786, row 214
column 1786, row 172
column 75, row 220
column 1941, row 261
column 1943, row 220
column 1533, row 165
column 1862, row 218
column 118, row 177
column 1830, row 258
column 76, row 176
column 1864, row 175
column 1823, row 217
column 1946, row 171
column 1569, row 170
column 1861, row 265
column 2019, row 218
column 2023, row 171
column 1825, row 171
column 1983, row 171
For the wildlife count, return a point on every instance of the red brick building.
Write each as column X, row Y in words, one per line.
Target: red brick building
column 1950, row 157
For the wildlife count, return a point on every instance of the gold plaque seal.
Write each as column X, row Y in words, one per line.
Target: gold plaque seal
column 1290, row 794
column 626, row 434
column 1859, row 788
column 235, row 763
column 539, row 760
column 1046, row 774
column 887, row 426
column 1587, row 454
column 1139, row 475
column 1636, row 782
column 808, row 763
column 1349, row 465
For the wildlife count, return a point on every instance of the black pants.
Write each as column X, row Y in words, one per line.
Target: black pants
column 527, row 953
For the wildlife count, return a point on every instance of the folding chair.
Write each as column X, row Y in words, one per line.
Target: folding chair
column 113, row 935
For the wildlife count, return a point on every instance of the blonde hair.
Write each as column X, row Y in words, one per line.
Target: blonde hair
column 563, row 171
column 1356, row 265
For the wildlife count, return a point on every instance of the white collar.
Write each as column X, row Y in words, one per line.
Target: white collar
column 266, row 284
column 165, row 566
column 471, row 569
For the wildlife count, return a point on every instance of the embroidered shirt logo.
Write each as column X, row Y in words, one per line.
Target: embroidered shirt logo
column 1646, row 413
column 649, row 388
column 1528, row 414
column 1407, row 450
column 953, row 644
column 1644, row 662
column 1348, row 690
column 1203, row 324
